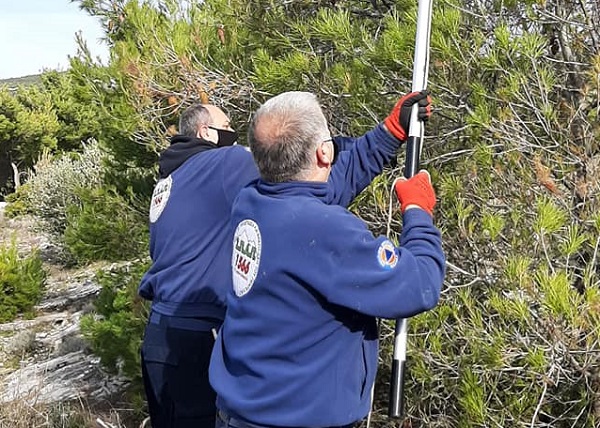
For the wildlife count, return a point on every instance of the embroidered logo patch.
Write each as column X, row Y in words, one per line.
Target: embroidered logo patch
column 160, row 197
column 246, row 256
column 387, row 255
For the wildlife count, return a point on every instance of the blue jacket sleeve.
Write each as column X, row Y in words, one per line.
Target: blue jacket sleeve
column 372, row 276
column 344, row 143
column 359, row 163
column 239, row 170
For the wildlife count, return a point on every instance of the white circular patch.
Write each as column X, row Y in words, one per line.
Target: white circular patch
column 387, row 255
column 246, row 256
column 160, row 197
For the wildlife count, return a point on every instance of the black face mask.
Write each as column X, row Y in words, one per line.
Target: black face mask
column 226, row 137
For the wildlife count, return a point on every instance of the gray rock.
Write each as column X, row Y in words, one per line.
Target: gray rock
column 67, row 377
column 73, row 295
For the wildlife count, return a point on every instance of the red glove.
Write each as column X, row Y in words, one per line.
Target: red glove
column 416, row 191
column 398, row 121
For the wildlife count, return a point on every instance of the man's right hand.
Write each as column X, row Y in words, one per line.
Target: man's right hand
column 416, row 192
column 398, row 121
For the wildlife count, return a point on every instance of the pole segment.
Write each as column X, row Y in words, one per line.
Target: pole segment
column 413, row 152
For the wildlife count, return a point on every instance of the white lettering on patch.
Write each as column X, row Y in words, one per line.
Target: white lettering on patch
column 246, row 256
column 160, row 197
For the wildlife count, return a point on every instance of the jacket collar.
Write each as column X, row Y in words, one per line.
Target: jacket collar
column 181, row 149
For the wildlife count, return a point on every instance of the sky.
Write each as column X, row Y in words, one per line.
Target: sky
column 40, row 34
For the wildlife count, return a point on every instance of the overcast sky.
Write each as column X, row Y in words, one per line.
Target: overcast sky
column 40, row 34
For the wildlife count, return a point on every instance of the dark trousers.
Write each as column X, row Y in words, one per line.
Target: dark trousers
column 225, row 421
column 175, row 358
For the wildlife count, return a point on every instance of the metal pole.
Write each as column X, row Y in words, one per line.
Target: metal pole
column 413, row 152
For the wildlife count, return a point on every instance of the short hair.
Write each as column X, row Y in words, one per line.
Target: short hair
column 284, row 132
column 192, row 118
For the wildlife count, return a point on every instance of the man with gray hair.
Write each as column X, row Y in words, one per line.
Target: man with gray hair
column 298, row 347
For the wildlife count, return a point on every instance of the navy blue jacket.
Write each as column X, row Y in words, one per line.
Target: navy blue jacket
column 190, row 236
column 298, row 347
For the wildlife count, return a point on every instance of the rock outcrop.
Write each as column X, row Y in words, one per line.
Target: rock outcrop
column 45, row 360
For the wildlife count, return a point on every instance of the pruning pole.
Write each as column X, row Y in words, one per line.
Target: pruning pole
column 413, row 152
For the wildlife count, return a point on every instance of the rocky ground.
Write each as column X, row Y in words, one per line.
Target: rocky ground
column 44, row 362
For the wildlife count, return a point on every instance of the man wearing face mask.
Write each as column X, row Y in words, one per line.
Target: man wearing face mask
column 200, row 174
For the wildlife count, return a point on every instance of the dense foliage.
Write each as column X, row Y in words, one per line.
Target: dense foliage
column 115, row 330
column 104, row 226
column 513, row 148
column 74, row 203
column 53, row 185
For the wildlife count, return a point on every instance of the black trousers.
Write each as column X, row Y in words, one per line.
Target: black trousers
column 175, row 357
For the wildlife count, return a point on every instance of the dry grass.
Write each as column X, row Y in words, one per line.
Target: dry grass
column 23, row 414
column 72, row 414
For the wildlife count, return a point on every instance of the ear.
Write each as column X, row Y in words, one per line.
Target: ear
column 325, row 154
column 202, row 132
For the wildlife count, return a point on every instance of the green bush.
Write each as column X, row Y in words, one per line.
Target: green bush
column 54, row 183
column 16, row 205
column 21, row 282
column 116, row 328
column 104, row 226
column 28, row 125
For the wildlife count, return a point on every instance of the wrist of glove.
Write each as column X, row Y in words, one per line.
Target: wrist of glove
column 398, row 122
column 417, row 191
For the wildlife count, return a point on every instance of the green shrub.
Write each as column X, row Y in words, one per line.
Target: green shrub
column 16, row 206
column 104, row 226
column 54, row 183
column 116, row 328
column 21, row 282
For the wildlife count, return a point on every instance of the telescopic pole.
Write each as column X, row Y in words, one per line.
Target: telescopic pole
column 413, row 152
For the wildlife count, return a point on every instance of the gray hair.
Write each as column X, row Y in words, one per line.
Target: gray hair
column 192, row 118
column 284, row 132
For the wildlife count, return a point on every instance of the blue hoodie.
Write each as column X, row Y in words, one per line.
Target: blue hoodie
column 298, row 347
column 190, row 238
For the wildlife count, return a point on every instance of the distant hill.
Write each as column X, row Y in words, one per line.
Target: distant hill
column 32, row 79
